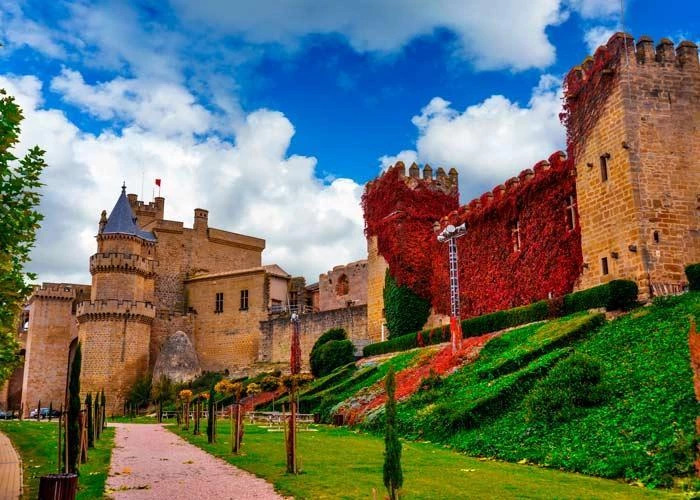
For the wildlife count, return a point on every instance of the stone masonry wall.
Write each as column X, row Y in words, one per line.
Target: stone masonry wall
column 330, row 291
column 376, row 271
column 230, row 339
column 52, row 326
column 276, row 333
column 644, row 218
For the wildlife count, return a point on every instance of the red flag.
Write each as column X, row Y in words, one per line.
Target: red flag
column 158, row 182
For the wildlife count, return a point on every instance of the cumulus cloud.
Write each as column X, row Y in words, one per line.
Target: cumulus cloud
column 253, row 186
column 595, row 8
column 492, row 33
column 18, row 31
column 407, row 156
column 597, row 36
column 490, row 141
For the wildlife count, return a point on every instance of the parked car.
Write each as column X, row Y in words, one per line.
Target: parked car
column 44, row 413
column 6, row 415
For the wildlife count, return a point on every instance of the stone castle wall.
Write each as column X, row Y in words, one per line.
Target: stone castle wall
column 376, row 271
column 276, row 333
column 644, row 218
column 342, row 285
column 230, row 339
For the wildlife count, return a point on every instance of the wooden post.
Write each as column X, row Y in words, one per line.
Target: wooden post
column 82, row 422
column 60, row 430
column 233, row 440
column 66, row 442
column 38, row 411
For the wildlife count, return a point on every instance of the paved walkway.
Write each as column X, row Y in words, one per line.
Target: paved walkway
column 10, row 470
column 150, row 462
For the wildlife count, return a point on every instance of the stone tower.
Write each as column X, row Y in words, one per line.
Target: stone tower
column 633, row 124
column 115, row 325
column 401, row 201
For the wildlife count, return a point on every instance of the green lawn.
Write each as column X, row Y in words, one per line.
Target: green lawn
column 339, row 463
column 36, row 443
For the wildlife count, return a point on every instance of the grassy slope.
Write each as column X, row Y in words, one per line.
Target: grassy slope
column 645, row 429
column 339, row 463
column 36, row 443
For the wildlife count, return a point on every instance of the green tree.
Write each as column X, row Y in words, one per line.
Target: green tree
column 90, row 429
column 19, row 221
column 210, row 417
column 405, row 311
column 140, row 392
column 103, row 404
column 393, row 476
column 73, row 433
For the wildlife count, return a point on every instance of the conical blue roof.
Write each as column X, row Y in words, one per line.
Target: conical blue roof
column 123, row 221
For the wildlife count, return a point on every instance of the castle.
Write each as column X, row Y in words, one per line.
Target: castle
column 622, row 202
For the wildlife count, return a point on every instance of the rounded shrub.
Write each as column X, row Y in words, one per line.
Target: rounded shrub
column 333, row 334
column 693, row 273
column 574, row 383
column 333, row 354
column 623, row 294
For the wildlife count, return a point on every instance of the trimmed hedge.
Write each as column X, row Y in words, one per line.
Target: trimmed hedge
column 316, row 359
column 405, row 311
column 693, row 273
column 617, row 294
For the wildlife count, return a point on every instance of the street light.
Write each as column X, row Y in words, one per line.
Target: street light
column 450, row 235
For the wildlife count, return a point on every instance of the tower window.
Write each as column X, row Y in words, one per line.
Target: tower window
column 604, row 265
column 604, row 167
column 244, row 300
column 571, row 213
column 515, row 235
column 219, row 303
column 656, row 237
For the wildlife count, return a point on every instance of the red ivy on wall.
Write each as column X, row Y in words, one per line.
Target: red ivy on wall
column 402, row 217
column 493, row 275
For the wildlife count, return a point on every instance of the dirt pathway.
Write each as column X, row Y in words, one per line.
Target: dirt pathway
column 151, row 462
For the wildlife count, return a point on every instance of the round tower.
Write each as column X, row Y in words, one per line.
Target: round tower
column 115, row 325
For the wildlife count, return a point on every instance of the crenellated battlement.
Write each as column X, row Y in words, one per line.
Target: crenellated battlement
column 122, row 262
column 112, row 309
column 557, row 162
column 54, row 291
column 446, row 182
column 151, row 210
column 621, row 51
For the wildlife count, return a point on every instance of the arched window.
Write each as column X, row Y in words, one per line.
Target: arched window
column 342, row 286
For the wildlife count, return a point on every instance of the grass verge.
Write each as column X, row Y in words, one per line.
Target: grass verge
column 340, row 463
column 36, row 444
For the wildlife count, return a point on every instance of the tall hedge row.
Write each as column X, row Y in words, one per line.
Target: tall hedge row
column 617, row 294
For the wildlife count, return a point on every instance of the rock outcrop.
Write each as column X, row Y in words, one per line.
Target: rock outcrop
column 177, row 359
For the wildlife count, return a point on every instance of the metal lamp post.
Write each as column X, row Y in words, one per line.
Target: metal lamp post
column 450, row 235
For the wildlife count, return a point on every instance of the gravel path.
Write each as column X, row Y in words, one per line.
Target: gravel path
column 151, row 462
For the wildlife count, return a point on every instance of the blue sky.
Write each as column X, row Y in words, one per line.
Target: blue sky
column 274, row 114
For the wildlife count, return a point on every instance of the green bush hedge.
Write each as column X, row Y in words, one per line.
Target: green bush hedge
column 693, row 273
column 315, row 360
column 333, row 354
column 405, row 311
column 618, row 294
column 573, row 384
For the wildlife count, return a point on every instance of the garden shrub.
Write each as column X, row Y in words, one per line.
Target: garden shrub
column 617, row 294
column 574, row 383
column 333, row 354
column 405, row 311
column 693, row 273
column 334, row 334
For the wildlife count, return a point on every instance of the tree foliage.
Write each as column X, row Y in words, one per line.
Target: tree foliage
column 393, row 476
column 210, row 417
column 19, row 221
column 406, row 312
column 73, row 437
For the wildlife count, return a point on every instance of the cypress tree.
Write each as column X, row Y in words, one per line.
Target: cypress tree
column 73, row 437
column 210, row 419
column 393, row 476
column 90, row 429
column 97, row 416
column 104, row 411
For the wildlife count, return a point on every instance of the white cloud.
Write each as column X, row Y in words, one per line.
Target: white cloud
column 597, row 36
column 490, row 141
column 253, row 186
column 18, row 31
column 595, row 8
column 492, row 33
column 150, row 104
column 407, row 156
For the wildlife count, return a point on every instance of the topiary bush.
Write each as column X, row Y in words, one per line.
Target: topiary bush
column 573, row 384
column 334, row 334
column 623, row 295
column 333, row 354
column 693, row 273
column 617, row 294
column 405, row 311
